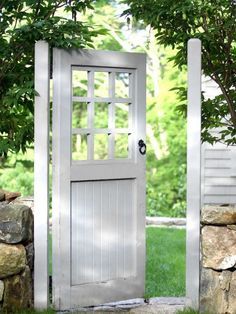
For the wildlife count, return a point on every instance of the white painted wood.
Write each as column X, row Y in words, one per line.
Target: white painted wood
column 219, row 180
column 217, row 163
column 222, row 154
column 61, row 176
column 233, row 162
column 100, row 99
column 220, row 190
column 41, row 174
column 223, row 181
column 90, row 114
column 111, row 116
column 193, row 171
column 217, row 199
column 93, row 199
column 101, row 131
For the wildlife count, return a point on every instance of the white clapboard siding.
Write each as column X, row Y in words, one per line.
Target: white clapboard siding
column 218, row 174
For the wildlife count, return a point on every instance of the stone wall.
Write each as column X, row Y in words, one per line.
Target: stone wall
column 218, row 259
column 16, row 253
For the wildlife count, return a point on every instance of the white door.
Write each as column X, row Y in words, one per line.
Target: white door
column 98, row 177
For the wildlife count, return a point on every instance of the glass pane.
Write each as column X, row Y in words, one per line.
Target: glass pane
column 101, row 115
column 122, row 85
column 121, row 146
column 122, row 115
column 79, row 147
column 100, row 146
column 80, row 83
column 79, row 115
column 101, row 84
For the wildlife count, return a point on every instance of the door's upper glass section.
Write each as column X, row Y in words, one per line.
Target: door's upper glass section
column 102, row 114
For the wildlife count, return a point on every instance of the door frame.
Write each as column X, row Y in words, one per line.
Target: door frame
column 41, row 186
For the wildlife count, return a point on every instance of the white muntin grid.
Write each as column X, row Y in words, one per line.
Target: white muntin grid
column 111, row 100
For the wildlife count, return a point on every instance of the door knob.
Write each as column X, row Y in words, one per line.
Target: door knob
column 142, row 147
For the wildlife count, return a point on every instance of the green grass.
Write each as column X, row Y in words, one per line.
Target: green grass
column 165, row 262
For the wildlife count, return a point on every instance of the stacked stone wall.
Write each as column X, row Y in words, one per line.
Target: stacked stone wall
column 218, row 259
column 16, row 253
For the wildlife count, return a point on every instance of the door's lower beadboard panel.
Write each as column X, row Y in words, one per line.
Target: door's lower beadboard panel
column 103, row 229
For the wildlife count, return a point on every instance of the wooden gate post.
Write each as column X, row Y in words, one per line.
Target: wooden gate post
column 41, row 177
column 193, row 171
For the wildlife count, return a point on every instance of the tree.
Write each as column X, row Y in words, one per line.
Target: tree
column 22, row 23
column 213, row 22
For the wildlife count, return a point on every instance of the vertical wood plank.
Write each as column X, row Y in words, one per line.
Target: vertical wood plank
column 97, row 265
column 41, row 174
column 112, row 236
column 111, row 116
column 105, row 231
column 130, row 230
column 90, row 139
column 131, row 115
column 193, row 171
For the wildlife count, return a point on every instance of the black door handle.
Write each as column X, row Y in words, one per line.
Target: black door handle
column 142, row 147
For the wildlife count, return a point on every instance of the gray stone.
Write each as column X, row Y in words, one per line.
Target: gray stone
column 10, row 196
column 30, row 255
column 157, row 309
column 137, row 301
column 3, row 203
column 1, row 289
column 166, row 221
column 232, row 295
column 12, row 259
column 218, row 292
column 18, row 292
column 169, row 301
column 2, row 195
column 218, row 247
column 26, row 200
column 218, row 215
column 16, row 224
column 232, row 227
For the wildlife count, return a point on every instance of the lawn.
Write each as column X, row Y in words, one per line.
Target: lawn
column 165, row 264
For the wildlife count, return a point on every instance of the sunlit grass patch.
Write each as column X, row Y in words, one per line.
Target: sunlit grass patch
column 165, row 262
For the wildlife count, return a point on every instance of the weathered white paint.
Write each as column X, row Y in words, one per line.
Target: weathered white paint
column 218, row 174
column 98, row 281
column 193, row 171
column 103, row 231
column 41, row 174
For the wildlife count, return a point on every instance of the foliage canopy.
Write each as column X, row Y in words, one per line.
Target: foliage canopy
column 22, row 23
column 213, row 22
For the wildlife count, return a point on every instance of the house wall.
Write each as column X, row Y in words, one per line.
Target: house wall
column 218, row 174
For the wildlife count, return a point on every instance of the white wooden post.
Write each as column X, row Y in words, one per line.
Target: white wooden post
column 193, row 172
column 41, row 174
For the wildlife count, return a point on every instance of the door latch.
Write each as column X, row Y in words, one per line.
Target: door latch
column 142, row 147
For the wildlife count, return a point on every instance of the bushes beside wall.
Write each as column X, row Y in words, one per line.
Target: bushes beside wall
column 16, row 253
column 218, row 259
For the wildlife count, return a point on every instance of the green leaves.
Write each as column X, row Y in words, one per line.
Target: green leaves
column 214, row 23
column 22, row 23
